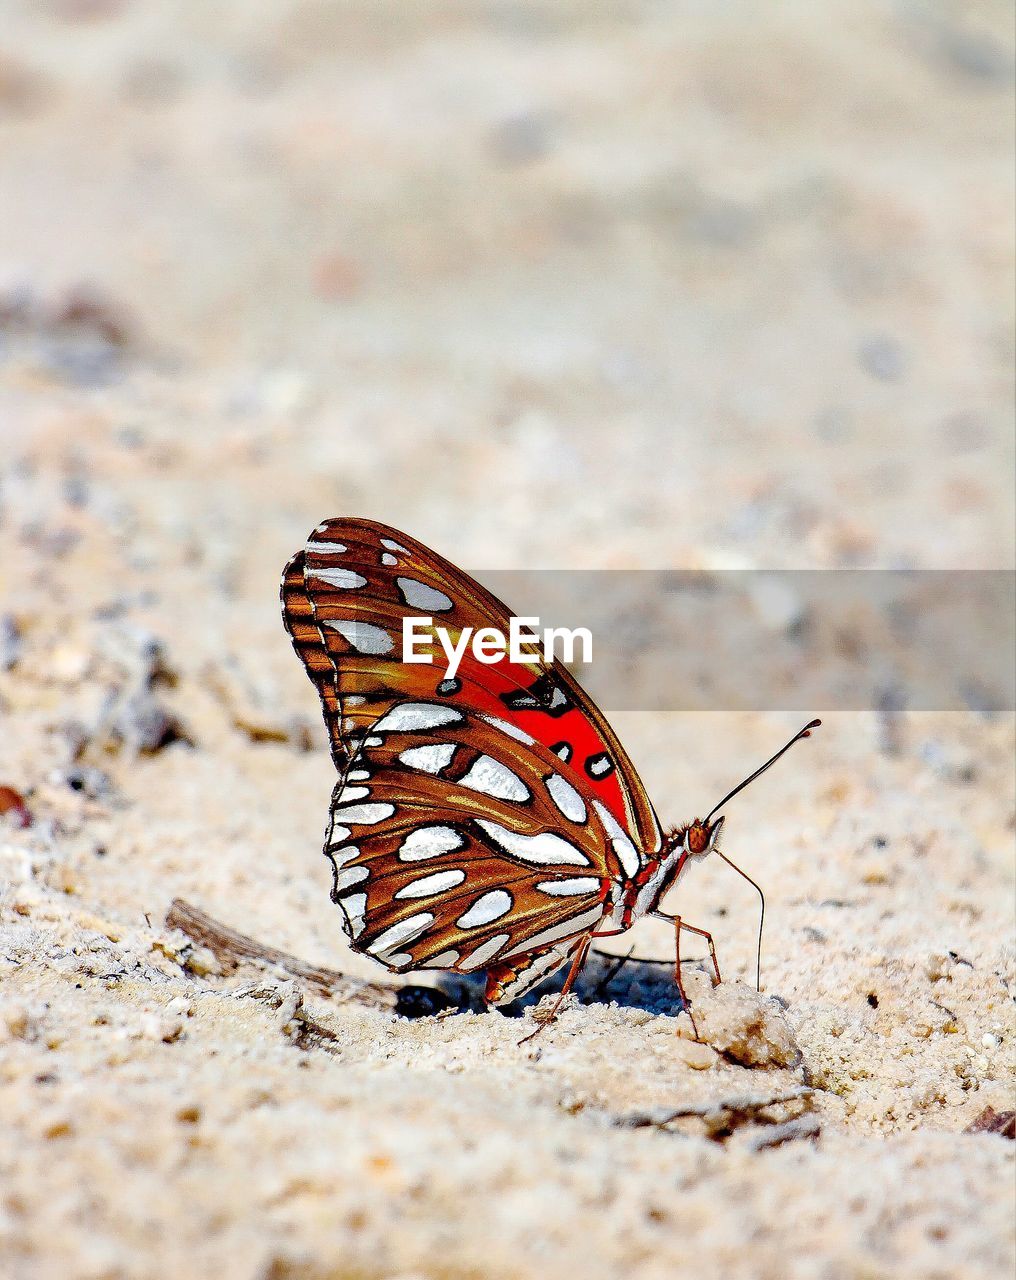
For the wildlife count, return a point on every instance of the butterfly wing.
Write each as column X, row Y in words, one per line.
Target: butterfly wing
column 480, row 821
column 513, row 978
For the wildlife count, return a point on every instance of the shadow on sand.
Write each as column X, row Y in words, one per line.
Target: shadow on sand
column 606, row 979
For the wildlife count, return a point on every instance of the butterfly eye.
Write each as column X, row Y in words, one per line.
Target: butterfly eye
column 698, row 838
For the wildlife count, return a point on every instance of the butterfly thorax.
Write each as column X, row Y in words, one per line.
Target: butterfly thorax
column 661, row 871
column 655, row 877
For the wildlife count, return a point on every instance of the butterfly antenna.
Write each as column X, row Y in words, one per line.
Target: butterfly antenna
column 802, row 733
column 762, row 913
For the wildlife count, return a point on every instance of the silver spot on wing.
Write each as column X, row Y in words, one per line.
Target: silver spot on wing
column 364, row 637
column 620, row 840
column 429, row 759
column 352, row 875
column 419, row 596
column 545, row 848
column 485, row 952
column 403, row 931
column 564, row 929
column 571, row 887
column 407, row 716
column 427, row 886
column 491, row 906
column 365, row 815
column 430, row 842
column 567, row 799
column 512, row 730
column 493, row 778
column 344, row 579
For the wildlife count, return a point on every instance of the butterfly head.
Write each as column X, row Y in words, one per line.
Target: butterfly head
column 700, row 837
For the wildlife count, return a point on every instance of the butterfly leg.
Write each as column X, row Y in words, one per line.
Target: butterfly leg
column 703, row 933
column 578, row 961
column 679, row 924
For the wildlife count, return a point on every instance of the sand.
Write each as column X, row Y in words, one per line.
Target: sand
column 640, row 287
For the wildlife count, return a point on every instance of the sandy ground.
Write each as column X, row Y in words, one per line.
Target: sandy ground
column 648, row 286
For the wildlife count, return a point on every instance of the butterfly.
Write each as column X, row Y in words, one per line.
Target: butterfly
column 486, row 821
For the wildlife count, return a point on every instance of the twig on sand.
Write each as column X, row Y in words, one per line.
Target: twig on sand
column 806, row 1128
column 301, row 1029
column 231, row 949
column 723, row 1117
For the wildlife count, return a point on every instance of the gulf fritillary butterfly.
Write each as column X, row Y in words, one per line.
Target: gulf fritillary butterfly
column 490, row 821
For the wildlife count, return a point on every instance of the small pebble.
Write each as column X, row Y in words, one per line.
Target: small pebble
column 157, row 1026
column 700, row 1057
column 68, row 663
column 18, row 1023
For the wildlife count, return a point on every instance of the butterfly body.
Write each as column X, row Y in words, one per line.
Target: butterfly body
column 490, row 821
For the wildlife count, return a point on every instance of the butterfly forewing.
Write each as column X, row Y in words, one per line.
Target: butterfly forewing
column 298, row 614
column 480, row 821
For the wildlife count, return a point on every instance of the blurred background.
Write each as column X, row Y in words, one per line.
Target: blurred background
column 643, row 284
column 640, row 283
column 637, row 286
column 647, row 285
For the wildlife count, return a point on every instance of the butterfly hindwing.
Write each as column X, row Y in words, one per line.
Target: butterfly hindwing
column 443, row 847
column 513, row 978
